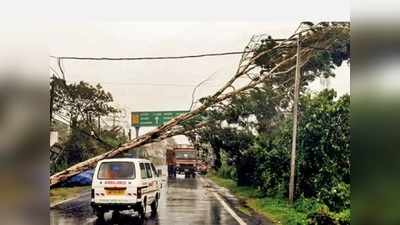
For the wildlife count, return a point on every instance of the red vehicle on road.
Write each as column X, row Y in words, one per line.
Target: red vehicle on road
column 202, row 167
column 182, row 160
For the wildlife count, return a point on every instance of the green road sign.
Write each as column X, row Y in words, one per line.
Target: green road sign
column 153, row 119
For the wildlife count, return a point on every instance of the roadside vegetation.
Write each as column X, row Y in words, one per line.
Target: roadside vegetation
column 250, row 140
column 275, row 208
column 323, row 169
column 64, row 193
column 78, row 110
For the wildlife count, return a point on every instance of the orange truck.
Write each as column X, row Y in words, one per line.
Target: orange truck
column 182, row 160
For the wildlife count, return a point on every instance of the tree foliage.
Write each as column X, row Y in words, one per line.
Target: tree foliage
column 253, row 130
column 81, row 101
column 323, row 162
column 261, row 157
column 81, row 105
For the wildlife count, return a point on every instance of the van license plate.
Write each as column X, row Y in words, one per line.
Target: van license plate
column 115, row 192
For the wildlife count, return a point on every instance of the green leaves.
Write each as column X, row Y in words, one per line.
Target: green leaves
column 82, row 105
column 263, row 158
column 323, row 162
column 254, row 129
column 81, row 100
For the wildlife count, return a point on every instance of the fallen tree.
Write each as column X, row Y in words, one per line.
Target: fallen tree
column 281, row 58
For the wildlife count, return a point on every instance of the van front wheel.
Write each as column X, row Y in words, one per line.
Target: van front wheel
column 154, row 207
column 100, row 214
column 142, row 211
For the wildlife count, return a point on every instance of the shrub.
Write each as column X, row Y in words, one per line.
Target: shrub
column 323, row 160
column 336, row 197
column 226, row 171
column 307, row 205
column 323, row 216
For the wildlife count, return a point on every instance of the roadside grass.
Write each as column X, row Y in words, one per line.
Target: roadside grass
column 276, row 209
column 64, row 193
column 245, row 210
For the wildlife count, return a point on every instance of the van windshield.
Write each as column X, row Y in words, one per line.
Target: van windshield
column 116, row 171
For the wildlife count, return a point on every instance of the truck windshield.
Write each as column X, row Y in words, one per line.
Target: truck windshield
column 185, row 155
column 116, row 171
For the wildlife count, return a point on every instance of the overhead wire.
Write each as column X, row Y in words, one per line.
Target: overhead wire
column 60, row 58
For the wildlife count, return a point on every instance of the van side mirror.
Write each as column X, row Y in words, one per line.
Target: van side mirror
column 159, row 172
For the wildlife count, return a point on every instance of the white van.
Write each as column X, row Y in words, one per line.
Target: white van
column 125, row 184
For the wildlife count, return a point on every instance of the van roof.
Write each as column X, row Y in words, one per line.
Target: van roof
column 124, row 160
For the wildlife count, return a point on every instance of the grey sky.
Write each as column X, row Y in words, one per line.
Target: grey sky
column 163, row 84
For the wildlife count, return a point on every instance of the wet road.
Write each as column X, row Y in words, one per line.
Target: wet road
column 183, row 201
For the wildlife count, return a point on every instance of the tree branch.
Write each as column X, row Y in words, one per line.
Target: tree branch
column 282, row 66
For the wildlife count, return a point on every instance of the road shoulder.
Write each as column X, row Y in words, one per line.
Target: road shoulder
column 60, row 196
column 249, row 215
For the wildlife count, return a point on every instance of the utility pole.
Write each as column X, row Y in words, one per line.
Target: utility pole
column 295, row 109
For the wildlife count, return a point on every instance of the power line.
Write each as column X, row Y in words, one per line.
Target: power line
column 60, row 58
column 150, row 57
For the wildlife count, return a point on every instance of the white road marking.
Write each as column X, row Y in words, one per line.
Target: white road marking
column 225, row 205
column 227, row 208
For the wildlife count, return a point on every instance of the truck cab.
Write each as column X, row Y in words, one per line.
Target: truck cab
column 186, row 162
column 182, row 159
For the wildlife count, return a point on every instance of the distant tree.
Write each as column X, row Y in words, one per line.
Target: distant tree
column 83, row 105
column 81, row 101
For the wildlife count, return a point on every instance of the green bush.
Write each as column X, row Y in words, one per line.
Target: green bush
column 336, row 197
column 322, row 181
column 227, row 172
column 344, row 217
column 272, row 171
column 323, row 159
column 323, row 216
column 307, row 205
